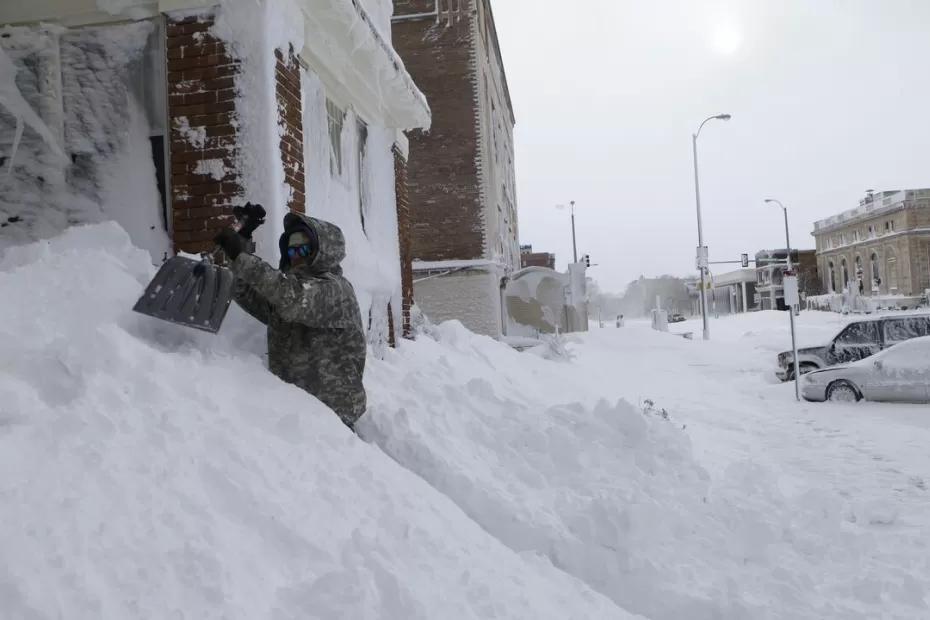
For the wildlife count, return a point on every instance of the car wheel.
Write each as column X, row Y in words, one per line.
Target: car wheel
column 843, row 392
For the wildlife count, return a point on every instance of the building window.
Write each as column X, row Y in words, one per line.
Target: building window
column 876, row 272
column 364, row 197
column 832, row 272
column 844, row 268
column 871, row 231
column 335, row 117
column 855, row 236
column 891, row 270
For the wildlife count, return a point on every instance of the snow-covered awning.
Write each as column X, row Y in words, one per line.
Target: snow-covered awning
column 346, row 48
column 342, row 43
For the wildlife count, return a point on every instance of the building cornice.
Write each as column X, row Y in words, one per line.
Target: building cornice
column 875, row 240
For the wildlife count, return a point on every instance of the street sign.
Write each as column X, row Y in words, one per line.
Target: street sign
column 702, row 261
column 792, row 298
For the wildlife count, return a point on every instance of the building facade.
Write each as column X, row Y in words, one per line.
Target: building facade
column 770, row 273
column 529, row 258
column 880, row 248
column 171, row 112
column 732, row 292
column 462, row 194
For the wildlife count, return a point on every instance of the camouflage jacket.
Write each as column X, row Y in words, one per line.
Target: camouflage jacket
column 315, row 336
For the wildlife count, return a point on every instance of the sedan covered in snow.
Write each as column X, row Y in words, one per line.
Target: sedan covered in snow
column 898, row 374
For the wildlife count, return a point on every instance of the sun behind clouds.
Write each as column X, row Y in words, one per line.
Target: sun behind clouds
column 726, row 37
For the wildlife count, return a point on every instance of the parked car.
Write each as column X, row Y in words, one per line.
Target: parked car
column 677, row 318
column 897, row 374
column 856, row 341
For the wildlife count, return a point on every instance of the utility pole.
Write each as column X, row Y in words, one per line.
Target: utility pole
column 794, row 342
column 574, row 245
column 702, row 251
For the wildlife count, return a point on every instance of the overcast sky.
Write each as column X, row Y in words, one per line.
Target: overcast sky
column 829, row 98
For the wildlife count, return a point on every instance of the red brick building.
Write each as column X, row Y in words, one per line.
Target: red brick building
column 298, row 105
column 529, row 258
column 462, row 195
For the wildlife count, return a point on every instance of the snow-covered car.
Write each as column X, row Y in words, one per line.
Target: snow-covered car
column 677, row 318
column 897, row 374
column 858, row 340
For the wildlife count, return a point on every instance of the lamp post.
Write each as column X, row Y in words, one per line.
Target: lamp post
column 702, row 258
column 794, row 343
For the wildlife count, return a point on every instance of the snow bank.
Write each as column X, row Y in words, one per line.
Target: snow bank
column 147, row 471
column 614, row 494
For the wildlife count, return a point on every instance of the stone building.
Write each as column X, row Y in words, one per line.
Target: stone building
column 171, row 112
column 880, row 248
column 462, row 195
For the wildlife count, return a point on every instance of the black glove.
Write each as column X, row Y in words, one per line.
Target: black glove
column 251, row 216
column 232, row 242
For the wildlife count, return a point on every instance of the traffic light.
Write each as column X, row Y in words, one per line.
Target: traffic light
column 744, row 259
column 587, row 260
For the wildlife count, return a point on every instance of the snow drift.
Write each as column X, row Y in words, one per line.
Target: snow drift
column 615, row 495
column 149, row 472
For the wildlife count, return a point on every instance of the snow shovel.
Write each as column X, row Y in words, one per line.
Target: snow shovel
column 193, row 293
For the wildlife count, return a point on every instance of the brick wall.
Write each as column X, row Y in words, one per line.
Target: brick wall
column 403, row 234
column 201, row 111
column 290, row 118
column 443, row 180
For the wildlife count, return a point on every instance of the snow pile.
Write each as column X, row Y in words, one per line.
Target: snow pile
column 614, row 494
column 148, row 471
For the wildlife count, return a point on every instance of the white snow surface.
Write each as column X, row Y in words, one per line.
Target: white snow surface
column 745, row 504
column 151, row 471
column 147, row 471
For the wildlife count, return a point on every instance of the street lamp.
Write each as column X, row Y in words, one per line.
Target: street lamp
column 794, row 344
column 574, row 246
column 702, row 258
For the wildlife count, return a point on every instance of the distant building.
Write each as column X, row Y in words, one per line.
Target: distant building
column 732, row 292
column 770, row 271
column 462, row 192
column 881, row 247
column 529, row 258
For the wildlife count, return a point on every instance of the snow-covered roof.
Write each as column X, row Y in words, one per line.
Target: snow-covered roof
column 346, row 47
column 341, row 42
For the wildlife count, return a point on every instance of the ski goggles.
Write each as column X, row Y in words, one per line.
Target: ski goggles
column 298, row 250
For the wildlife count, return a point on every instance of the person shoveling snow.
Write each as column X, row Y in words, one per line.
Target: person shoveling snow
column 315, row 335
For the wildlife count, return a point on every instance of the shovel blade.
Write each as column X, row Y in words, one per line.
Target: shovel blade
column 188, row 292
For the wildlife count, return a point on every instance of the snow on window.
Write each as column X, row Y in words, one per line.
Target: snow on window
column 891, row 270
column 335, row 117
column 364, row 191
column 898, row 330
